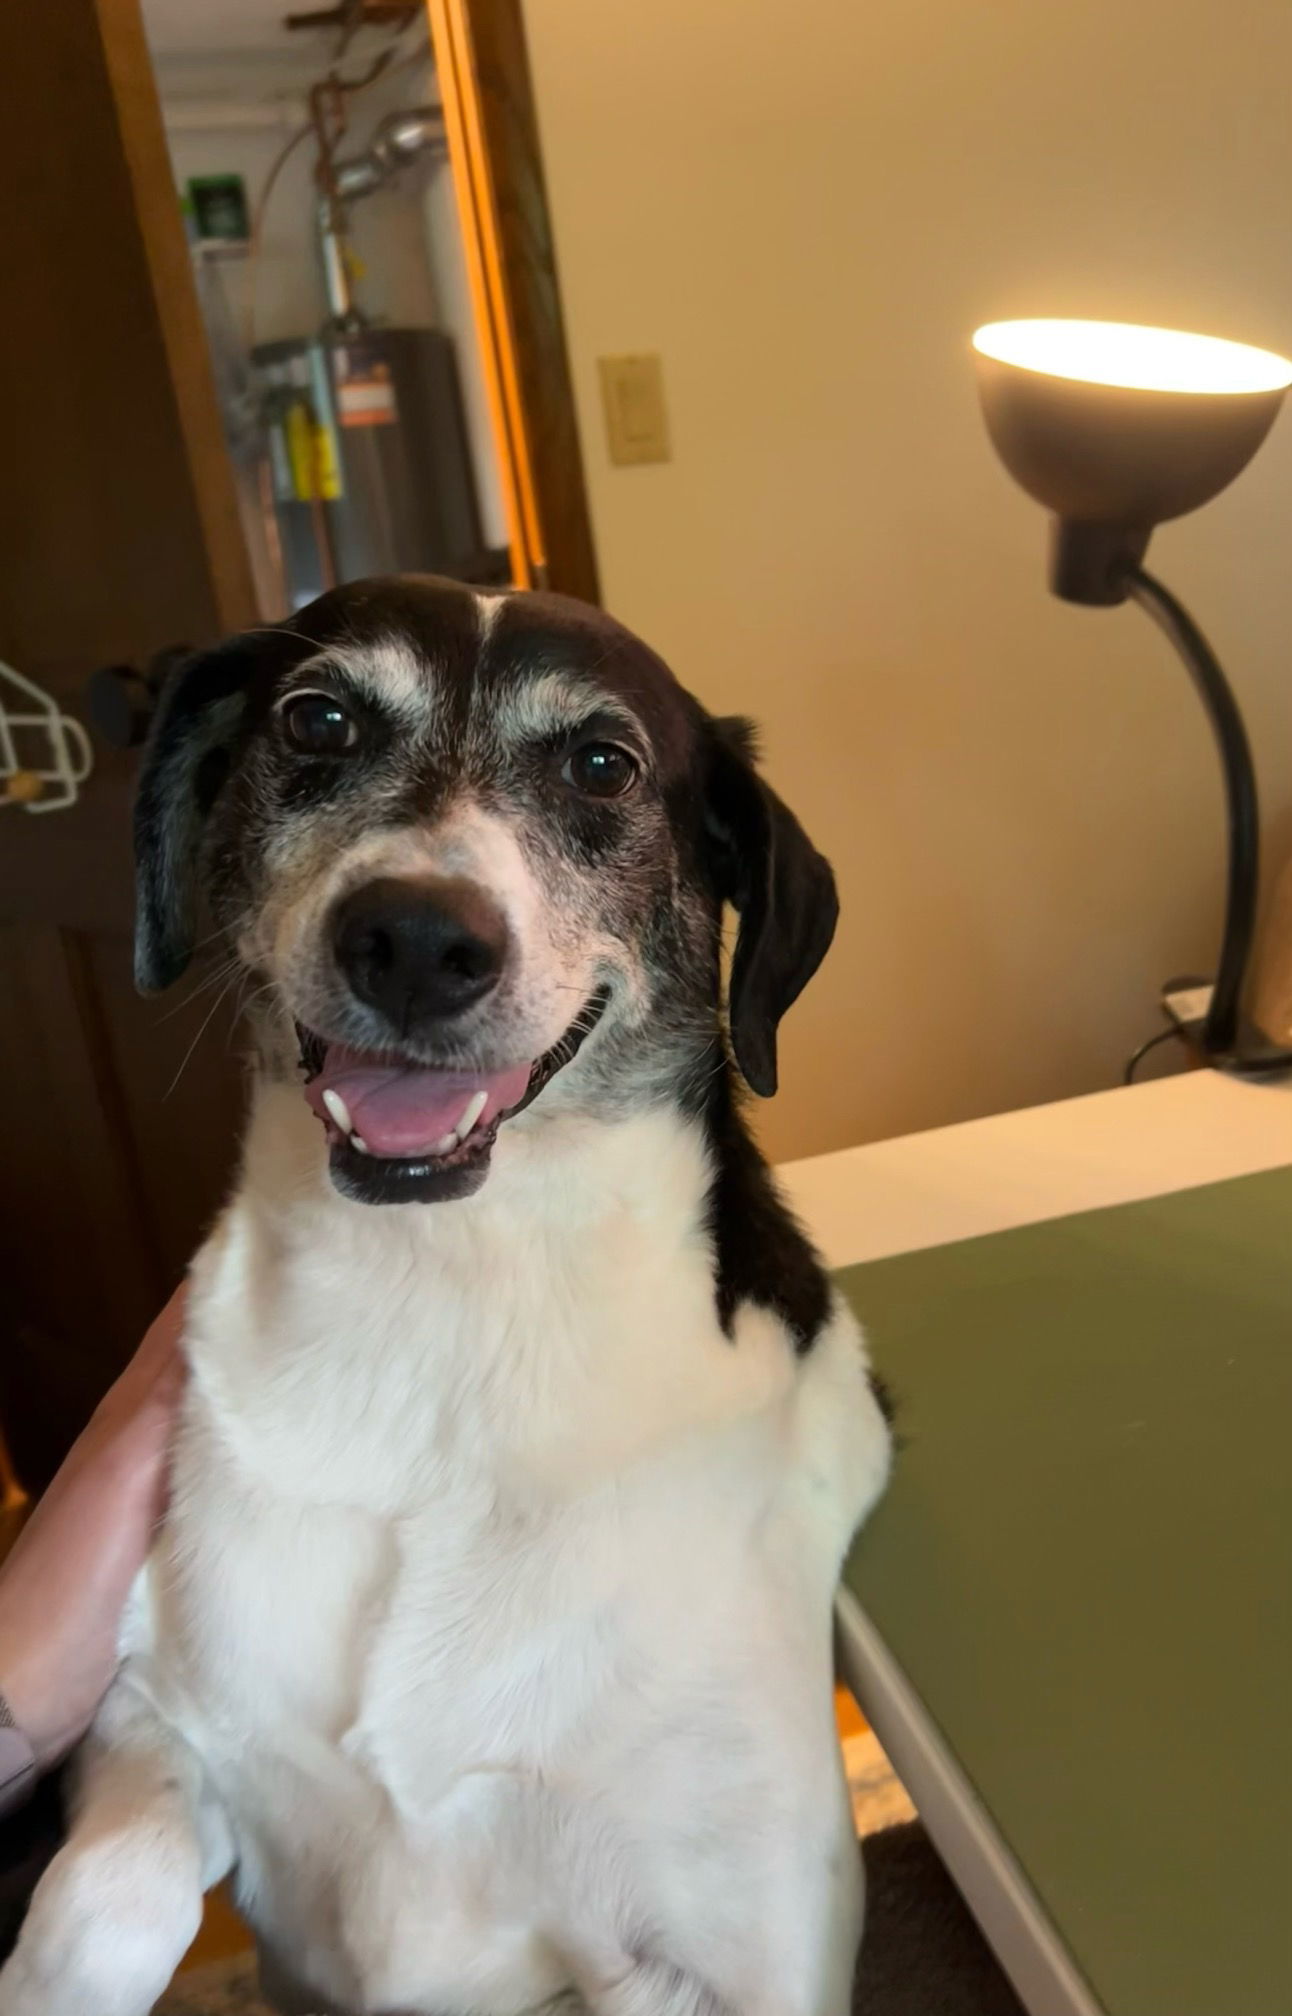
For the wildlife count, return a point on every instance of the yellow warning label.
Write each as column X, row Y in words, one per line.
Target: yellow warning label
column 326, row 468
column 311, row 452
column 299, row 429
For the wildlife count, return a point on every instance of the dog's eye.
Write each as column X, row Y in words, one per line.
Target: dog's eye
column 318, row 725
column 601, row 770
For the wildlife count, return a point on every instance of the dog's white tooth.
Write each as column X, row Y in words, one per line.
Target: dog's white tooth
column 443, row 1145
column 340, row 1112
column 357, row 1141
column 475, row 1107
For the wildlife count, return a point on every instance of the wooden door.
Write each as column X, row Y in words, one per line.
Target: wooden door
column 118, row 537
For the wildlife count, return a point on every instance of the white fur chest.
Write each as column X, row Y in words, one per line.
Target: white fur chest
column 455, row 1485
column 551, row 1329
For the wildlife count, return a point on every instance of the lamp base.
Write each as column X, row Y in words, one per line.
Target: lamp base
column 1186, row 1003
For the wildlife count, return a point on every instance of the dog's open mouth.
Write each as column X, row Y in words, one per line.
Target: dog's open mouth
column 400, row 1131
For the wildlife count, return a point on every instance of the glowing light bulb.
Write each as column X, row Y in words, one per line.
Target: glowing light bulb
column 1140, row 359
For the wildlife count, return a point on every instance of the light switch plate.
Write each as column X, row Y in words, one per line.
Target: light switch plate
column 632, row 389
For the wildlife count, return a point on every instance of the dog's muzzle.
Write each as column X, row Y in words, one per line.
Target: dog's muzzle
column 402, row 1131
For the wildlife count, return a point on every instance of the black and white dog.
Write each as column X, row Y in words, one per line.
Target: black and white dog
column 488, row 1641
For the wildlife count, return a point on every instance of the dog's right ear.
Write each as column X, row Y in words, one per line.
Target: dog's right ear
column 188, row 757
column 765, row 866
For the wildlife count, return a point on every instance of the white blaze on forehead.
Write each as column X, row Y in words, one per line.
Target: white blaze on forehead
column 487, row 609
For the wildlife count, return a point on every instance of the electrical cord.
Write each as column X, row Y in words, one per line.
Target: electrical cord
column 256, row 238
column 1137, row 1057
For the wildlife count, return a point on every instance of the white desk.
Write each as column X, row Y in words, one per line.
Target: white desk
column 955, row 1183
column 1044, row 1162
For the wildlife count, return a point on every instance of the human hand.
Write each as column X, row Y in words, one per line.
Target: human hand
column 65, row 1582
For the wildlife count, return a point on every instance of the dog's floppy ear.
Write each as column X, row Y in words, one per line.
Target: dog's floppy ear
column 767, row 868
column 186, row 761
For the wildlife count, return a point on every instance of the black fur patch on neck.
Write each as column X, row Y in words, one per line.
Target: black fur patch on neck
column 884, row 1399
column 761, row 1254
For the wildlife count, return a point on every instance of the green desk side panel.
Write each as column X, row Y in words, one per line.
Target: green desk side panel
column 1084, row 1567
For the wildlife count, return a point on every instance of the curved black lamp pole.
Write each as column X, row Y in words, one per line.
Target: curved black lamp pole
column 1091, row 569
column 1220, row 1031
column 1099, row 565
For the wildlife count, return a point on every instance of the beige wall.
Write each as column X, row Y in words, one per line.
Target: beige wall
column 806, row 206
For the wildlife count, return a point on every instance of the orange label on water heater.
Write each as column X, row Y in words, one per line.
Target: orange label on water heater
column 365, row 394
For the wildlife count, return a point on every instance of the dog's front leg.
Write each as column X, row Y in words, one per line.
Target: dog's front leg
column 117, row 1907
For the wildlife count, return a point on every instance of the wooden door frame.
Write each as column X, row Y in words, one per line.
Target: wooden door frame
column 119, row 536
column 482, row 65
column 132, row 78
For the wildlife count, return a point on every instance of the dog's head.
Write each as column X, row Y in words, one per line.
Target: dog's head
column 475, row 849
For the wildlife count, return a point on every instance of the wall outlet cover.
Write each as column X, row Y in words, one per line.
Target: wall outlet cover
column 632, row 390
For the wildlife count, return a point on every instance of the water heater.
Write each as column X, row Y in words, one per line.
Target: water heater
column 369, row 460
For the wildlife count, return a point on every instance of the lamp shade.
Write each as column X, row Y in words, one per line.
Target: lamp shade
column 1118, row 427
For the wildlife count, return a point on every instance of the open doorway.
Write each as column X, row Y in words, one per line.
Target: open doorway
column 311, row 163
column 175, row 473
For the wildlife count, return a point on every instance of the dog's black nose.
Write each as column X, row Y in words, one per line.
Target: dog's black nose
column 419, row 951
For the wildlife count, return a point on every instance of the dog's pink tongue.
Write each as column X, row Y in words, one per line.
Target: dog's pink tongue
column 401, row 1109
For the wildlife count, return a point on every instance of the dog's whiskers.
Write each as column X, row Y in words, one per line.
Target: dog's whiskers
column 223, row 971
column 207, row 1020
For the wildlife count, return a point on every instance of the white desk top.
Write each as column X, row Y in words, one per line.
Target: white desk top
column 1044, row 1162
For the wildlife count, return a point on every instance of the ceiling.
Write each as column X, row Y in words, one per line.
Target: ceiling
column 183, row 29
column 243, row 48
column 235, row 27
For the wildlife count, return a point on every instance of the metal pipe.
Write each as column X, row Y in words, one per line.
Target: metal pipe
column 336, row 272
column 400, row 138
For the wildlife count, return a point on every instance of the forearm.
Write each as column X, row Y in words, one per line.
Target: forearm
column 62, row 1587
column 63, row 1583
